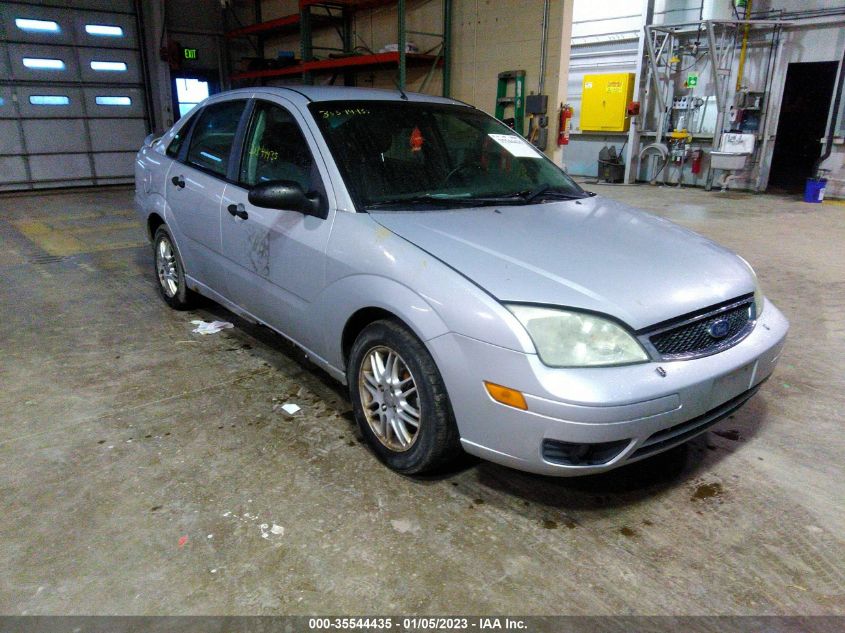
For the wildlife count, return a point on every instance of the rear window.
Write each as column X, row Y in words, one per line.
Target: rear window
column 178, row 139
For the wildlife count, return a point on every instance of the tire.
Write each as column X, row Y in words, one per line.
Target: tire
column 384, row 416
column 170, row 272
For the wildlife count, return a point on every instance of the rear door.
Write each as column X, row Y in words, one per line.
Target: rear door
column 277, row 257
column 195, row 186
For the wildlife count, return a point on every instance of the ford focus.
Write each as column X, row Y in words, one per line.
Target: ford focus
column 470, row 294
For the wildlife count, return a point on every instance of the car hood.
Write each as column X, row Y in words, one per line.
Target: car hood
column 592, row 254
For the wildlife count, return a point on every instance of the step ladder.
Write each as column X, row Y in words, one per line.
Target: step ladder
column 517, row 100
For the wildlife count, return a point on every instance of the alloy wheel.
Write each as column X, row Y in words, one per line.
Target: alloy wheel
column 168, row 275
column 390, row 398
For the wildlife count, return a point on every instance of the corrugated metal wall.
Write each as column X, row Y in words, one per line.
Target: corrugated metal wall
column 72, row 102
column 605, row 38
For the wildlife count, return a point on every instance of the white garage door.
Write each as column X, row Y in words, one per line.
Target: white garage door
column 72, row 102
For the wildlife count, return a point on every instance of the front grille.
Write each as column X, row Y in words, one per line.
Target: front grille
column 692, row 336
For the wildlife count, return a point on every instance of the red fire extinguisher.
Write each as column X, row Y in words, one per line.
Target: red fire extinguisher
column 697, row 155
column 566, row 113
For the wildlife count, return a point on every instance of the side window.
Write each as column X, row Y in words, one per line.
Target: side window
column 277, row 150
column 178, row 139
column 211, row 141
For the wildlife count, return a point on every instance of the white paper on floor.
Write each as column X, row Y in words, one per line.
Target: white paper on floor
column 211, row 328
column 267, row 530
column 290, row 408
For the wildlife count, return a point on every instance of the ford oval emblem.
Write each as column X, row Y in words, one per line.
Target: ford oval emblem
column 719, row 328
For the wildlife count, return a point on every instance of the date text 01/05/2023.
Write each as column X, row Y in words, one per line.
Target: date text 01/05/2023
column 418, row 623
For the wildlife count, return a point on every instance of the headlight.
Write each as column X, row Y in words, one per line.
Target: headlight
column 575, row 339
column 759, row 298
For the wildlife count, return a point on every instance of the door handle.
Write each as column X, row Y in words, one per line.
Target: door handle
column 179, row 181
column 238, row 210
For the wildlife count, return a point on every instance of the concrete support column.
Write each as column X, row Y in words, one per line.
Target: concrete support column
column 558, row 71
column 158, row 71
column 632, row 150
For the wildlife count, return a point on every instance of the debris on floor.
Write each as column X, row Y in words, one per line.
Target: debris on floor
column 288, row 407
column 267, row 530
column 214, row 327
column 182, row 541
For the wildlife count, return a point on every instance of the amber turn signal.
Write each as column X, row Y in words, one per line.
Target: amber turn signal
column 506, row 395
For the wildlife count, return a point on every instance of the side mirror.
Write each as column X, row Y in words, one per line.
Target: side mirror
column 151, row 138
column 289, row 196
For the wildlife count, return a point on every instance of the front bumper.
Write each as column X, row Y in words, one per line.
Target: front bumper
column 639, row 409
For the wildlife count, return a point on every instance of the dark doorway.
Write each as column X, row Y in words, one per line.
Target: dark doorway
column 803, row 118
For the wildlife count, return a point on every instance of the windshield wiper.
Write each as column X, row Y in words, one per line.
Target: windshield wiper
column 519, row 198
column 544, row 191
column 528, row 196
column 423, row 199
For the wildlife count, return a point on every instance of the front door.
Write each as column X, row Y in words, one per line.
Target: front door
column 277, row 257
column 195, row 186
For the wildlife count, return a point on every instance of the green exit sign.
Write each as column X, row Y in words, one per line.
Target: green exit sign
column 189, row 53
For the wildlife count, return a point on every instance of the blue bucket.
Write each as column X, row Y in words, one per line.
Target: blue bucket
column 814, row 190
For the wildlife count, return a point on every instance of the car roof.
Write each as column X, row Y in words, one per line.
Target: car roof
column 341, row 93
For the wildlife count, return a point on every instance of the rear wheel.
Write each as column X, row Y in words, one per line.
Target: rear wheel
column 170, row 272
column 400, row 401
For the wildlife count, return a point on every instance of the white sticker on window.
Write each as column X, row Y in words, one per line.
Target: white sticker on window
column 515, row 145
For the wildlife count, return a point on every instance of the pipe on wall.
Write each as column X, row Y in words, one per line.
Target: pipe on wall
column 543, row 40
column 740, row 71
column 831, row 132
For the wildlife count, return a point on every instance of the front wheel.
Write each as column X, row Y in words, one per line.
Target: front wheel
column 400, row 401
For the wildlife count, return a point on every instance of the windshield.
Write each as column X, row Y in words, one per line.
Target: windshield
column 394, row 153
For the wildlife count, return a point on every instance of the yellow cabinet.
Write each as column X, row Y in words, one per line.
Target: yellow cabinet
column 604, row 102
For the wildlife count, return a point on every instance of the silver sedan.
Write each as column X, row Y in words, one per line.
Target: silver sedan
column 468, row 292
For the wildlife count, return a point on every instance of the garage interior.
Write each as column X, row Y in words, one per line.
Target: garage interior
column 150, row 470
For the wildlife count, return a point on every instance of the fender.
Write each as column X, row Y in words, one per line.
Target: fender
column 156, row 203
column 346, row 296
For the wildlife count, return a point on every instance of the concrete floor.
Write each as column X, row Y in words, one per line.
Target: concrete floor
column 138, row 461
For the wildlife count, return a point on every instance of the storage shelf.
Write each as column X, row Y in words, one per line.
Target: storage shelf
column 359, row 62
column 289, row 23
column 281, row 26
column 358, row 5
column 339, row 13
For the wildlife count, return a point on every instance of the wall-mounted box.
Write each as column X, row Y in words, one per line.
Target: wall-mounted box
column 604, row 102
